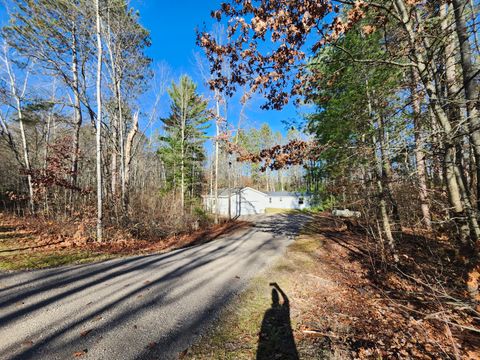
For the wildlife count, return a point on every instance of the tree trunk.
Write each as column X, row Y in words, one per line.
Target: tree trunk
column 99, row 125
column 10, row 140
column 470, row 86
column 114, row 171
column 454, row 193
column 381, row 189
column 217, row 128
column 128, row 160
column 419, row 154
column 26, row 156
column 387, row 173
column 182, row 161
column 210, row 207
column 441, row 116
column 123, row 157
column 25, row 150
column 45, row 153
column 77, row 107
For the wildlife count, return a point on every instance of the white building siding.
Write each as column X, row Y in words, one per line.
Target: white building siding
column 287, row 202
column 248, row 201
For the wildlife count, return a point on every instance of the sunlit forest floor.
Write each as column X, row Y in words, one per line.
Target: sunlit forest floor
column 345, row 302
column 35, row 242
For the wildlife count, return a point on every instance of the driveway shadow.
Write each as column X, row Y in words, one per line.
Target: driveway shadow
column 276, row 335
column 289, row 224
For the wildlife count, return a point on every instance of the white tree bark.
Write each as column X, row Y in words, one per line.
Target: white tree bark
column 98, row 138
column 18, row 97
column 78, row 111
column 217, row 128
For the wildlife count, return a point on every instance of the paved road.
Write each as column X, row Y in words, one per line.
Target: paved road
column 143, row 307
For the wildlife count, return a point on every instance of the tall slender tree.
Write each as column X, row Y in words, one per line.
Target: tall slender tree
column 184, row 134
column 98, row 138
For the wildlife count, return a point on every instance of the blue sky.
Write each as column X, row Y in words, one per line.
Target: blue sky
column 172, row 26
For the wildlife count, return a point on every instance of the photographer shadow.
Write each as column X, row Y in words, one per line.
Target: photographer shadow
column 276, row 335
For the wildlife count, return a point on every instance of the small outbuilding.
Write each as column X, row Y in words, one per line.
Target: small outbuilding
column 249, row 201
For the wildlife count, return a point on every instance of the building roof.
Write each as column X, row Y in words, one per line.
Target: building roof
column 226, row 192
column 232, row 191
column 285, row 193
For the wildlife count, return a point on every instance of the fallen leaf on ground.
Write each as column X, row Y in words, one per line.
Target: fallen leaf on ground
column 85, row 332
column 80, row 353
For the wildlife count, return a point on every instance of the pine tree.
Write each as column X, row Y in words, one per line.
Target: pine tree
column 185, row 134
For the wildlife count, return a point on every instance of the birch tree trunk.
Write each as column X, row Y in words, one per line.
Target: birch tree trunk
column 217, row 129
column 77, row 107
column 98, row 138
column 18, row 103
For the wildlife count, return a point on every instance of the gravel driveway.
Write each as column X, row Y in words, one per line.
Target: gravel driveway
column 143, row 307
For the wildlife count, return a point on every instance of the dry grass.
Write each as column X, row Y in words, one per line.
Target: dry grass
column 279, row 211
column 35, row 242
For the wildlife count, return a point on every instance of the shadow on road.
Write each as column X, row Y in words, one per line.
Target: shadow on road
column 288, row 224
column 113, row 294
column 276, row 335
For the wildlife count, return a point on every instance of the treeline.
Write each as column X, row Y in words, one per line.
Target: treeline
column 75, row 93
column 398, row 111
column 239, row 174
column 395, row 84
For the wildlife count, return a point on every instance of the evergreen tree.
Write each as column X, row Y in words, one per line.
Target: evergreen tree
column 185, row 134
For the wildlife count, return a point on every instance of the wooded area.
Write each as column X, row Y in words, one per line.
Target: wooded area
column 53, row 54
column 395, row 84
column 389, row 98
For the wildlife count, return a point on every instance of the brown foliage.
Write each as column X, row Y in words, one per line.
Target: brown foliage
column 296, row 152
column 289, row 24
column 372, row 309
column 38, row 234
column 58, row 172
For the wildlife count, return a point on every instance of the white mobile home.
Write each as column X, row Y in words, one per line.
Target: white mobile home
column 248, row 201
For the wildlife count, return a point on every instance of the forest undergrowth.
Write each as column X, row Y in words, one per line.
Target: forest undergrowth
column 38, row 242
